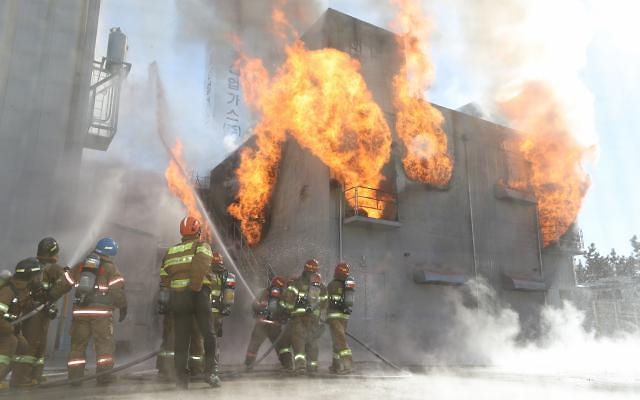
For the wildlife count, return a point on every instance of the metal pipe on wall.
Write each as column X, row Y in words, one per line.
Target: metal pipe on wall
column 540, row 250
column 340, row 216
column 471, row 223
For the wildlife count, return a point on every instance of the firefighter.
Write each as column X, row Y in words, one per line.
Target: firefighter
column 341, row 291
column 184, row 273
column 35, row 328
column 99, row 288
column 223, row 285
column 304, row 300
column 15, row 298
column 270, row 320
column 165, row 362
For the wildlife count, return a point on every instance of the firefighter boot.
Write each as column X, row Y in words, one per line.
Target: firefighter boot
column 213, row 380
column 300, row 364
column 312, row 368
column 21, row 373
column 347, row 365
column 211, row 376
column 167, row 368
column 196, row 366
column 107, row 378
column 336, row 366
column 37, row 373
column 76, row 373
column 286, row 361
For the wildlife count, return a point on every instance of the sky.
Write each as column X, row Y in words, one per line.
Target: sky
column 609, row 69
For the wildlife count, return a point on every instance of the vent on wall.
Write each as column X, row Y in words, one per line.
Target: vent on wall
column 439, row 277
column 523, row 283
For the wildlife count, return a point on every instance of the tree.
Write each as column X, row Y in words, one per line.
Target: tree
column 596, row 267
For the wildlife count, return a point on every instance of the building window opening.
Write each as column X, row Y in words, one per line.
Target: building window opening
column 372, row 203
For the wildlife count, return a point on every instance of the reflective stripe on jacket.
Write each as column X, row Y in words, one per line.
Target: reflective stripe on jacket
column 185, row 265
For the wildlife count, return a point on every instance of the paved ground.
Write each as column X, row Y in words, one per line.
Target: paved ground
column 370, row 383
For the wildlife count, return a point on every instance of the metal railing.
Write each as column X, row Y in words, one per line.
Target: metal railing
column 572, row 240
column 369, row 202
column 612, row 316
column 104, row 102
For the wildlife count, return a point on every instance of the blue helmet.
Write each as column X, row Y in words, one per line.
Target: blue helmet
column 107, row 247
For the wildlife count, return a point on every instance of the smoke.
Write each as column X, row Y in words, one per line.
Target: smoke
column 489, row 333
column 500, row 46
column 212, row 25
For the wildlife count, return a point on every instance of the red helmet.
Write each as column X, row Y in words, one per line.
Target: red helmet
column 278, row 281
column 216, row 258
column 190, row 226
column 312, row 265
column 342, row 270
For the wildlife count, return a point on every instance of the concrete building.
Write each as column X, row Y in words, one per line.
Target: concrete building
column 409, row 265
column 46, row 55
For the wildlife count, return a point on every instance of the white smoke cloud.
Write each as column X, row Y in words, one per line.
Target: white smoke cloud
column 491, row 333
column 502, row 45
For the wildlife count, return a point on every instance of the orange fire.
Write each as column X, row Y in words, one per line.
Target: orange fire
column 547, row 143
column 179, row 184
column 320, row 99
column 182, row 188
column 418, row 123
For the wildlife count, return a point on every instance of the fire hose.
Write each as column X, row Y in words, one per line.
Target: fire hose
column 99, row 374
column 355, row 339
column 30, row 314
column 155, row 353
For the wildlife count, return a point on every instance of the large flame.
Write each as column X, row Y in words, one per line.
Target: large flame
column 181, row 186
column 557, row 177
column 320, row 99
column 418, row 123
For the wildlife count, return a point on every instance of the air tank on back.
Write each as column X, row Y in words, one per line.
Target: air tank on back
column 116, row 50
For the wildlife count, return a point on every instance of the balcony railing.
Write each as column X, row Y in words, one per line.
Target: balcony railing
column 372, row 203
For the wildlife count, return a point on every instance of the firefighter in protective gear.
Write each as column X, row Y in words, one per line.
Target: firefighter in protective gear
column 185, row 273
column 223, row 286
column 270, row 321
column 304, row 300
column 15, row 299
column 35, row 329
column 99, row 288
column 341, row 291
column 165, row 363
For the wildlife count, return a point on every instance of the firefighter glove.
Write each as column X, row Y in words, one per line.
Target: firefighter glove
column 39, row 294
column 123, row 314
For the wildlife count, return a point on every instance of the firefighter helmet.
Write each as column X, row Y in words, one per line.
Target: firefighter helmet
column 190, row 226
column 278, row 281
column 48, row 247
column 26, row 268
column 311, row 265
column 342, row 270
column 107, row 247
column 216, row 258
